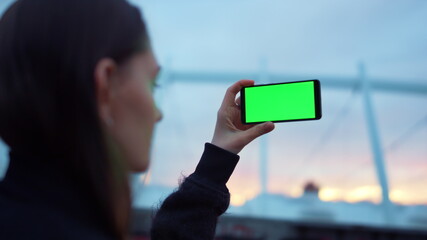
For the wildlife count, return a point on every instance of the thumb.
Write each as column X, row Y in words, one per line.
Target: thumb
column 257, row 130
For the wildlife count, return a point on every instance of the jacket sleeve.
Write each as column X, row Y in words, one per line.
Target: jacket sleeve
column 192, row 211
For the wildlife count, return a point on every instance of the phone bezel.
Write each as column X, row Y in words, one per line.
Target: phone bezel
column 317, row 102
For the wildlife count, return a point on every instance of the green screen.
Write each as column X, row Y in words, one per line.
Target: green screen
column 280, row 102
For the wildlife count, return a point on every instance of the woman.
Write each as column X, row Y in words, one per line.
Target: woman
column 77, row 111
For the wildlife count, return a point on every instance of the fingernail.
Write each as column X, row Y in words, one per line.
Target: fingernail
column 269, row 125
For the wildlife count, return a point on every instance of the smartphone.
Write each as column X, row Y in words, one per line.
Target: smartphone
column 281, row 102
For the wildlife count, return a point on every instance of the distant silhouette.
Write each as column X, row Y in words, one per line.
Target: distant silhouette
column 311, row 187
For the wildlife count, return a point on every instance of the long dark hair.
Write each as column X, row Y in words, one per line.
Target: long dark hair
column 48, row 53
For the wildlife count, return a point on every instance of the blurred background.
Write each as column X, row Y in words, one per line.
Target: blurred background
column 363, row 164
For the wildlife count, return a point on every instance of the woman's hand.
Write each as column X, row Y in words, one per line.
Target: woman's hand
column 230, row 134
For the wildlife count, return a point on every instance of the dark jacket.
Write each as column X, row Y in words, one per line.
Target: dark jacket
column 191, row 212
column 36, row 203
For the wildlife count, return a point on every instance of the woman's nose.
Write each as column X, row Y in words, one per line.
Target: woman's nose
column 159, row 115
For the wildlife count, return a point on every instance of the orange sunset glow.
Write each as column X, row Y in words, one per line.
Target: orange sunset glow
column 370, row 193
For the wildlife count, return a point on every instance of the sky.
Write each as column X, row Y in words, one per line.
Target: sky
column 322, row 37
column 308, row 39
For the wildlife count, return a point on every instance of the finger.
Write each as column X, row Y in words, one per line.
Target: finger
column 257, row 130
column 232, row 91
column 238, row 101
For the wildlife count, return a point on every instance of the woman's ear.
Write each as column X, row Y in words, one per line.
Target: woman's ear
column 104, row 73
